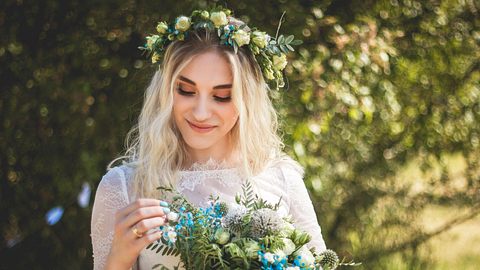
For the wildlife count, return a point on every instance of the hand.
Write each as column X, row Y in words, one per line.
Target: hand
column 142, row 215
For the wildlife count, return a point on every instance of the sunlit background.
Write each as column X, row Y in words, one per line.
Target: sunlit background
column 383, row 110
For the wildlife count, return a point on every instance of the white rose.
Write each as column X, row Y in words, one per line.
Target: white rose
column 219, row 18
column 289, row 246
column 259, row 38
column 182, row 24
column 162, row 28
column 151, row 40
column 172, row 216
column 279, row 62
column 287, row 229
column 292, row 268
column 241, row 37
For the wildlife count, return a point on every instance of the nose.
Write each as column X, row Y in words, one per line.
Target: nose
column 202, row 110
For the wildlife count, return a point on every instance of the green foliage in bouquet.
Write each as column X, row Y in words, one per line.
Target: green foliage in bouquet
column 248, row 234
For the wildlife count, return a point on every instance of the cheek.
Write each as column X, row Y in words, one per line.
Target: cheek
column 230, row 115
column 180, row 105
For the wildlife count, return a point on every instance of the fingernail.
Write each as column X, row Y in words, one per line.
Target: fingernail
column 164, row 204
column 166, row 210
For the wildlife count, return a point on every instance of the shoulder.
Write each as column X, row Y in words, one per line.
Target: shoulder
column 287, row 167
column 114, row 182
column 117, row 174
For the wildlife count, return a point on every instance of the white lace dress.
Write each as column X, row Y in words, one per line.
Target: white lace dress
column 281, row 180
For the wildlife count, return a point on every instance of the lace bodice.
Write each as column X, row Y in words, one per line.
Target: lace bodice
column 283, row 179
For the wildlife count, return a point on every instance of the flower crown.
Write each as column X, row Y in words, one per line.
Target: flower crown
column 270, row 53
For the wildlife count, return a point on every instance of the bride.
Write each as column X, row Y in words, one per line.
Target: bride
column 206, row 126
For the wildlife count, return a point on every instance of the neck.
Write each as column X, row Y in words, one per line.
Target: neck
column 221, row 152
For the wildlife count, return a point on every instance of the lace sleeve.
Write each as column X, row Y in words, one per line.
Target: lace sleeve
column 300, row 204
column 111, row 195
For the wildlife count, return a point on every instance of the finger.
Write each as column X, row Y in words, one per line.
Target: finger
column 145, row 225
column 144, row 213
column 135, row 205
column 149, row 238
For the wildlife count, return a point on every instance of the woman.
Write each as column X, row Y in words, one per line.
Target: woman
column 207, row 124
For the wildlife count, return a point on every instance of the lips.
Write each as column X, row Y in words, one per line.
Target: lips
column 200, row 127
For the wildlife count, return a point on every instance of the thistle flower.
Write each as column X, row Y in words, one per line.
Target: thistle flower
column 233, row 220
column 328, row 259
column 263, row 222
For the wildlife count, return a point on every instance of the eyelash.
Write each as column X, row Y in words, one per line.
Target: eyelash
column 187, row 93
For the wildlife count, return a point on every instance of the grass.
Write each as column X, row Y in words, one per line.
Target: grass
column 458, row 247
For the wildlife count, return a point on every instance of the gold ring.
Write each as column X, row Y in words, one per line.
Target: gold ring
column 135, row 231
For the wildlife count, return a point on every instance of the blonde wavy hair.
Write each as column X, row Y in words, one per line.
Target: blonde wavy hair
column 154, row 146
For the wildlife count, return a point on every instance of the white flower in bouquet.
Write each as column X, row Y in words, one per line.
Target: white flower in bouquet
column 170, row 236
column 233, row 220
column 292, row 268
column 251, row 249
column 172, row 216
column 287, row 229
column 270, row 257
column 304, row 257
column 222, row 236
column 263, row 222
column 289, row 246
column 280, row 255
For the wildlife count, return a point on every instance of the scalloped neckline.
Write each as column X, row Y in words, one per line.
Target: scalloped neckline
column 210, row 165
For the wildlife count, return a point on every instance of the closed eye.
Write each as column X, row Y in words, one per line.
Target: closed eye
column 189, row 93
column 185, row 93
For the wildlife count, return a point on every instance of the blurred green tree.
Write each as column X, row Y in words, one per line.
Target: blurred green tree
column 375, row 86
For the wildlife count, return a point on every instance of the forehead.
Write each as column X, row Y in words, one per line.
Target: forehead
column 208, row 68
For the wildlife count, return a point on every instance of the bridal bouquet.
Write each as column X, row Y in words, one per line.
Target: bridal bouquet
column 248, row 234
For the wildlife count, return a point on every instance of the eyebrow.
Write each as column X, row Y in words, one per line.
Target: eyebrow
column 221, row 86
